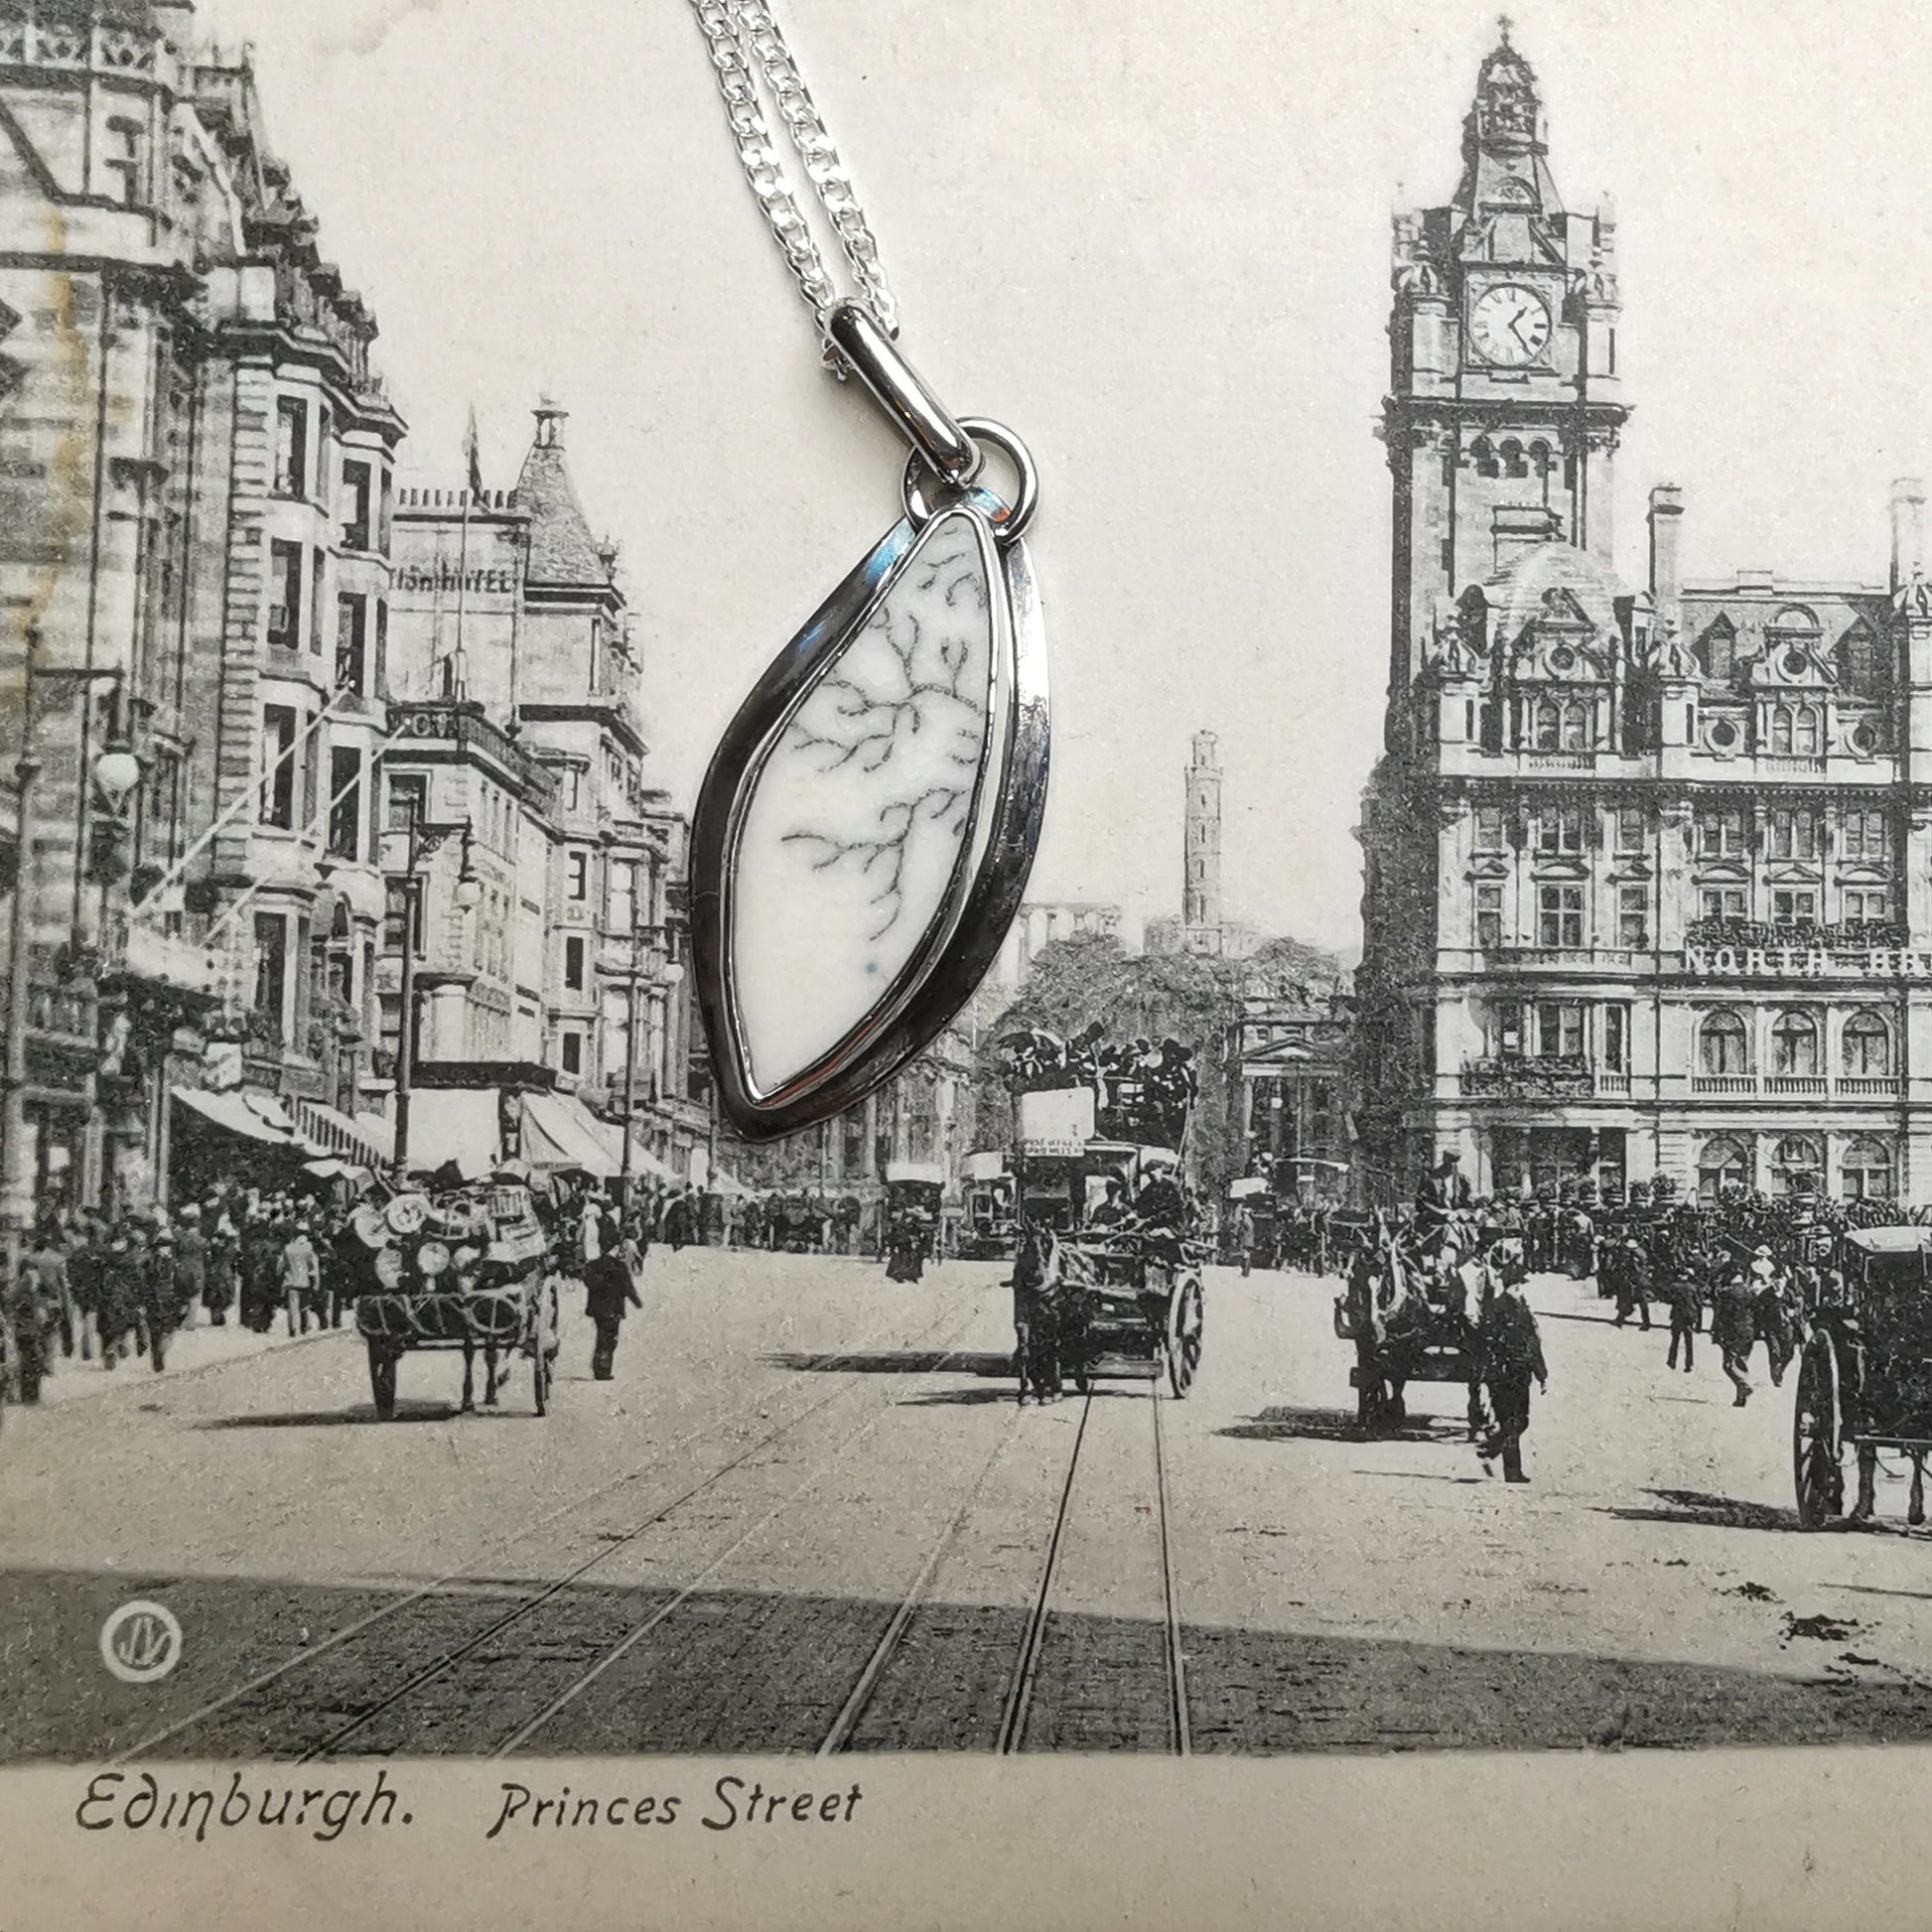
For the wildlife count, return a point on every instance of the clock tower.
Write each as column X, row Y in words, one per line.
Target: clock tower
column 1505, row 405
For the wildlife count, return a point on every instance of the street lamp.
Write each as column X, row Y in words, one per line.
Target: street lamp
column 425, row 841
column 115, row 772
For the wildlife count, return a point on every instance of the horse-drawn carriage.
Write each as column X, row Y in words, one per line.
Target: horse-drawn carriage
column 1865, row 1378
column 1411, row 1313
column 1107, row 1279
column 464, row 1268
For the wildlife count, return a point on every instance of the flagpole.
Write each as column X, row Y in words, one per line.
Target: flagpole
column 461, row 589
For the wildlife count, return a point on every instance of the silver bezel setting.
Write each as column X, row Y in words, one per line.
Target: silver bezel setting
column 990, row 873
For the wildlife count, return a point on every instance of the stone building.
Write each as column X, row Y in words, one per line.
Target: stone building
column 515, row 671
column 1648, row 868
column 194, row 454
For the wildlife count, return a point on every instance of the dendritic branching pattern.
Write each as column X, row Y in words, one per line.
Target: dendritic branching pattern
column 909, row 700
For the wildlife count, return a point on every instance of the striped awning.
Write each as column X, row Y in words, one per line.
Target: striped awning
column 335, row 1133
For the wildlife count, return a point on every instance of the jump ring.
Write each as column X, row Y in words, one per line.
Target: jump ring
column 1013, row 517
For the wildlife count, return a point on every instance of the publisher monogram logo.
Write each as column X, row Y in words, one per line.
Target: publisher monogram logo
column 141, row 1642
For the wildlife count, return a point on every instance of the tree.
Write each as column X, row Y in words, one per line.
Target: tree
column 1193, row 998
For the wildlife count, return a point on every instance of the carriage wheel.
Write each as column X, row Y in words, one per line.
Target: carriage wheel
column 1816, row 1449
column 382, row 1381
column 1184, row 1337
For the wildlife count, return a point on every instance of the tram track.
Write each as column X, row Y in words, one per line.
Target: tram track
column 472, row 1572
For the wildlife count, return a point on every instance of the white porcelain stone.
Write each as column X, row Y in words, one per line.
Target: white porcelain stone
column 859, row 815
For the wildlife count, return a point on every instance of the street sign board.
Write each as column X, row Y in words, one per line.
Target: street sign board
column 1058, row 1122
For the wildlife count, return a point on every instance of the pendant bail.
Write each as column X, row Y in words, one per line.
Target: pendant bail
column 904, row 395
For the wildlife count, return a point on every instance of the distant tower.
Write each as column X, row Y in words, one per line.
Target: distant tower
column 1200, row 895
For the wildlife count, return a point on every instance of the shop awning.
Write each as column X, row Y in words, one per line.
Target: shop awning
column 559, row 1132
column 335, row 1134
column 235, row 1114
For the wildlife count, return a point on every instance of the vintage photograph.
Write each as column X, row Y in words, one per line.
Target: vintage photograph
column 676, row 1081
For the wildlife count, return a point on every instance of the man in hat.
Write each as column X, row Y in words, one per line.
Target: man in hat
column 1769, row 1321
column 1511, row 1349
column 191, row 1266
column 1632, row 1281
column 1445, row 1191
column 609, row 1291
column 1733, row 1328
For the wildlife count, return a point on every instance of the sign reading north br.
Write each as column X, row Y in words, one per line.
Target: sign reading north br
column 1806, row 962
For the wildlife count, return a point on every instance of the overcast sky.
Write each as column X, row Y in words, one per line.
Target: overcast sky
column 1152, row 236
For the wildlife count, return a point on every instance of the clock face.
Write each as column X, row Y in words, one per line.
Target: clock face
column 1509, row 325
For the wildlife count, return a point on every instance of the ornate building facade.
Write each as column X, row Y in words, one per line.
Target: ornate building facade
column 194, row 454
column 1648, row 881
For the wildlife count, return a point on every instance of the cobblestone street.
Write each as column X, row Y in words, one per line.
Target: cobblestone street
column 808, row 1515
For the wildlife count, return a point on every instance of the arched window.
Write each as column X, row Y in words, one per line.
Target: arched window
column 1866, row 1170
column 1794, row 1043
column 1512, row 456
column 1724, row 1044
column 1547, row 728
column 1799, row 1163
column 1542, row 464
column 1579, row 720
column 1866, row 1046
column 1482, row 453
column 1795, row 729
column 1723, row 1165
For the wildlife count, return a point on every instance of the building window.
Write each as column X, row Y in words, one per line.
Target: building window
column 122, row 162
column 1560, row 829
column 1724, row 1167
column 1867, row 1170
column 1616, row 1038
column 571, row 1052
column 574, row 965
column 1792, row 833
column 579, row 876
column 1489, row 915
column 1560, row 915
column 1794, row 729
column 1866, row 840
column 1633, row 915
column 315, row 605
column 1717, row 650
column 573, row 790
column 1489, row 828
column 1867, row 905
column 285, row 594
column 1723, row 1045
column 1794, row 1045
column 1721, row 902
column 408, row 801
column 1563, row 725
column 622, row 913
column 291, row 447
column 1720, row 833
column 351, row 644
column 1799, row 1163
column 1559, row 1030
column 272, row 969
column 1629, row 828
column 1866, row 1048
column 356, row 505
column 1794, row 907
column 278, row 766
column 345, row 803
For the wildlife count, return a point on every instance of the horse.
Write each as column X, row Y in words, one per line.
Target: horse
column 1041, row 1292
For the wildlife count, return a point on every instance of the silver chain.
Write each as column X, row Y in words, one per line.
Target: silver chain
column 745, row 44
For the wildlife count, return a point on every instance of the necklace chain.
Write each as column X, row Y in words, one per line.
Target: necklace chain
column 744, row 44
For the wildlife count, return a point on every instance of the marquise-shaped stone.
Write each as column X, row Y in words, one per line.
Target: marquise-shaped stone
column 855, row 839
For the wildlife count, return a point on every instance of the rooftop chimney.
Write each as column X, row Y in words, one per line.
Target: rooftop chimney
column 1666, row 568
column 1907, row 530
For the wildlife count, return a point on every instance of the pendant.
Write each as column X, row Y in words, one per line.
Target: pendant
column 864, row 834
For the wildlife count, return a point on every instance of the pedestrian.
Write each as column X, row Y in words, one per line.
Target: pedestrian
column 608, row 1291
column 301, row 1277
column 1686, row 1314
column 30, row 1319
column 1632, row 1281
column 158, row 1303
column 261, row 1267
column 1512, row 1356
column 46, row 1262
column 83, row 1281
column 1244, row 1238
column 1770, row 1317
column 222, row 1268
column 120, row 1313
column 191, row 1267
column 1734, row 1329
